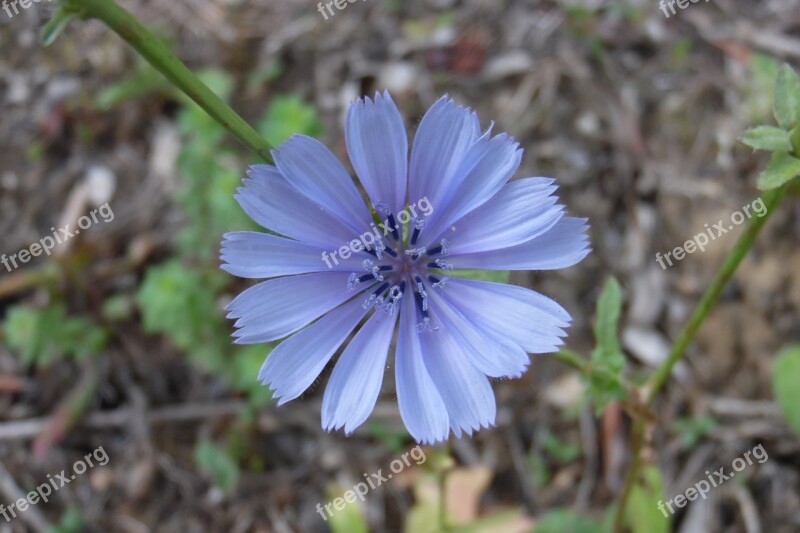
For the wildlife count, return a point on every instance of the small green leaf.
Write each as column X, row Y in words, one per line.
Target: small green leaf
column 787, row 98
column 57, row 24
column 609, row 306
column 693, row 429
column 606, row 380
column 785, row 377
column 767, row 138
column 288, row 115
column 216, row 462
column 781, row 169
column 42, row 336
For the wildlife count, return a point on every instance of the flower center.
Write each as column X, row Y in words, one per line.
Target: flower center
column 400, row 268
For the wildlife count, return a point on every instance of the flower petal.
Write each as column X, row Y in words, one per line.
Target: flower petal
column 250, row 254
column 378, row 147
column 444, row 135
column 275, row 204
column 488, row 164
column 531, row 320
column 297, row 362
column 421, row 406
column 564, row 245
column 465, row 390
column 521, row 211
column 314, row 171
column 491, row 358
column 357, row 377
column 278, row 307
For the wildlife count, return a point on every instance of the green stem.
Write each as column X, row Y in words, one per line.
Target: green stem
column 746, row 241
column 659, row 378
column 587, row 368
column 163, row 60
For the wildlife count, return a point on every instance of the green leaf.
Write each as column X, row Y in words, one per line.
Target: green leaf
column 606, row 381
column 785, row 377
column 57, row 24
column 642, row 513
column 693, row 429
column 563, row 451
column 561, row 520
column 350, row 519
column 787, row 98
column 216, row 462
column 767, row 138
column 72, row 521
column 288, row 115
column 42, row 336
column 609, row 306
column 782, row 168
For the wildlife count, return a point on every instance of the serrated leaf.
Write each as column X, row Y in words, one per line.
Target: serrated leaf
column 767, row 138
column 606, row 380
column 787, row 98
column 782, row 168
column 43, row 335
column 785, row 377
column 606, row 334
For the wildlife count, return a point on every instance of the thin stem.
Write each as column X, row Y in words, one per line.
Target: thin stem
column 746, row 241
column 637, row 444
column 659, row 378
column 587, row 368
column 163, row 60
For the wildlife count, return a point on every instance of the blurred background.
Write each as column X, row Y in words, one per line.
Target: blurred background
column 118, row 339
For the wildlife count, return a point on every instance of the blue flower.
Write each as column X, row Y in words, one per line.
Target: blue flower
column 451, row 206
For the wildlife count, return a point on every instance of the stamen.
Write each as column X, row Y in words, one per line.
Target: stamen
column 390, row 304
column 419, row 225
column 444, row 265
column 382, row 208
column 379, row 248
column 436, row 282
column 416, row 252
column 393, row 226
column 352, row 281
column 373, row 268
column 441, row 249
column 423, row 295
column 389, row 251
column 426, row 325
column 374, row 296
